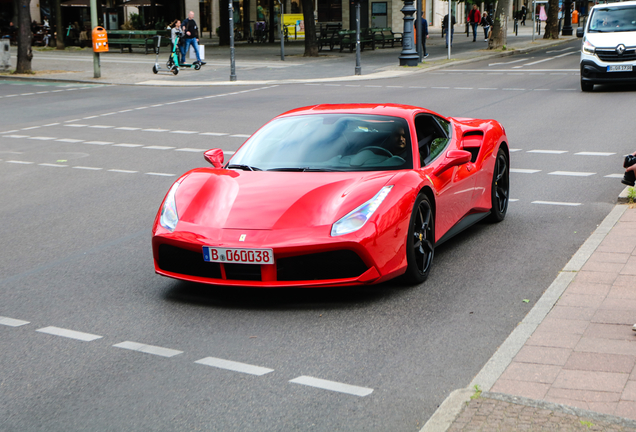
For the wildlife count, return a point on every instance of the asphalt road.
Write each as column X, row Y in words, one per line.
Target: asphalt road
column 84, row 168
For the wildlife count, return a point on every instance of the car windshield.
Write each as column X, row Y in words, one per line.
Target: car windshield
column 613, row 19
column 328, row 142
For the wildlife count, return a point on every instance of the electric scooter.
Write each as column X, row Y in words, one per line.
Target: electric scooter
column 173, row 61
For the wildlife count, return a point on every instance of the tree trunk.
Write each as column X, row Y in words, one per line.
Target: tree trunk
column 224, row 16
column 59, row 27
column 311, row 45
column 552, row 24
column 499, row 37
column 25, row 38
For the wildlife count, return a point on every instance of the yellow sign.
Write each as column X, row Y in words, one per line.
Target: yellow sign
column 295, row 25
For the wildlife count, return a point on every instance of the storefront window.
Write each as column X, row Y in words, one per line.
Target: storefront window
column 329, row 10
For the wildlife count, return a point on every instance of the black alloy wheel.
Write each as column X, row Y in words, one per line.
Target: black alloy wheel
column 500, row 194
column 420, row 245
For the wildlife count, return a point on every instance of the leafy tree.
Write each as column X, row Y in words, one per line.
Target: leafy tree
column 552, row 24
column 499, row 37
column 311, row 44
column 25, row 38
column 59, row 27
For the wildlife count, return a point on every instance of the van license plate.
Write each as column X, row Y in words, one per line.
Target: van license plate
column 619, row 68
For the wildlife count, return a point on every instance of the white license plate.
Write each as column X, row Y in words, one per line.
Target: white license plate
column 238, row 256
column 619, row 68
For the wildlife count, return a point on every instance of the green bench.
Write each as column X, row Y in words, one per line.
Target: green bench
column 385, row 36
column 328, row 36
column 347, row 38
column 138, row 38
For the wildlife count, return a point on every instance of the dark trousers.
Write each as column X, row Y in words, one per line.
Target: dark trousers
column 474, row 26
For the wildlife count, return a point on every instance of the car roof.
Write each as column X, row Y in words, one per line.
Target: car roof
column 395, row 110
column 615, row 4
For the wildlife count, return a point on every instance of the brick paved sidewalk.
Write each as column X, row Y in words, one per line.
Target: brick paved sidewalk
column 577, row 371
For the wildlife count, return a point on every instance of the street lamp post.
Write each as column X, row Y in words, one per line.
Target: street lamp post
column 358, row 70
column 232, row 68
column 408, row 56
column 418, row 27
column 567, row 18
column 97, row 71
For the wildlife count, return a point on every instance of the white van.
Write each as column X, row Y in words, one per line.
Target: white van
column 608, row 54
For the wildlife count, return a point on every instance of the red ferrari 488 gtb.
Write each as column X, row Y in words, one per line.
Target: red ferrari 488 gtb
column 333, row 195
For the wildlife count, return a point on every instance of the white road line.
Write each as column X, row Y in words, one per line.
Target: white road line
column 9, row 131
column 193, row 150
column 183, row 132
column 615, row 176
column 513, row 200
column 228, row 152
column 541, row 90
column 332, row 385
column 101, row 126
column 561, row 50
column 441, row 88
column 26, row 94
column 88, row 168
column 69, row 140
column 155, row 130
column 122, row 171
column 514, row 89
column 72, row 334
column 12, row 322
column 71, row 121
column 128, row 145
column 158, row 147
column 513, row 150
column 107, row 114
column 42, row 138
column 124, row 111
column 572, row 173
column 570, row 89
column 214, row 133
column 89, row 117
column 524, row 171
column 32, row 127
column 76, row 125
column 234, row 366
column 510, row 62
column 487, row 88
column 51, row 124
column 127, row 128
column 394, row 86
column 15, row 136
column 20, row 162
column 239, row 136
column 463, row 88
column 148, row 349
column 548, row 151
column 373, row 86
column 53, row 165
column 569, row 204
column 98, row 142
column 594, row 154
column 160, row 174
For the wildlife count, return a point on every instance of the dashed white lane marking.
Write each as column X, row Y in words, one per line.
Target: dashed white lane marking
column 548, row 151
column 77, row 125
column 148, row 349
column 156, row 147
column 234, row 366
column 615, row 176
column 160, row 174
column 42, row 138
column 15, row 136
column 155, row 130
column 127, row 128
column 12, row 322
column 32, row 127
column 332, row 385
column 513, row 200
column 98, row 142
column 194, row 150
column 89, row 117
column 72, row 334
column 9, row 131
column 594, row 154
column 557, row 203
column 524, row 171
column 70, row 140
column 88, row 168
column 101, row 126
column 128, row 145
column 514, row 89
column 513, row 150
column 122, row 171
column 572, row 173
column 19, row 162
column 53, row 165
column 214, row 133
column 183, row 132
column 240, row 136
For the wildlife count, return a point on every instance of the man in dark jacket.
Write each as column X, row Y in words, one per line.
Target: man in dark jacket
column 424, row 35
column 191, row 35
column 452, row 29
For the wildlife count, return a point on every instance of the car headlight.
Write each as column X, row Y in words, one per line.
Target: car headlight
column 588, row 48
column 356, row 219
column 169, row 216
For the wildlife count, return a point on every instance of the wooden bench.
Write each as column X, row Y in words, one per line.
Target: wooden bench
column 328, row 36
column 130, row 38
column 348, row 39
column 385, row 36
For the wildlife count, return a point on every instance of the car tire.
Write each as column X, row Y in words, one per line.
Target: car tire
column 500, row 189
column 420, row 243
column 586, row 86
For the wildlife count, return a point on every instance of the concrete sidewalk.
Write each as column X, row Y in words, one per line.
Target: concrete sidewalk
column 258, row 64
column 571, row 363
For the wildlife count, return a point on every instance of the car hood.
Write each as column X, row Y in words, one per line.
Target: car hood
column 231, row 199
column 611, row 40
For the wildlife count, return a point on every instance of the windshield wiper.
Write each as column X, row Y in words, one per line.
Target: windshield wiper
column 301, row 169
column 244, row 167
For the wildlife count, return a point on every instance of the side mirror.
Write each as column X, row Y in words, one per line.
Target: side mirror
column 453, row 158
column 215, row 157
column 580, row 31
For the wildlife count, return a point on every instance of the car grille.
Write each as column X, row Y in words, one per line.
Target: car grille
column 340, row 264
column 613, row 56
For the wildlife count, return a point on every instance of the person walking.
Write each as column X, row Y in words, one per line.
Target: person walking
column 474, row 18
column 424, row 35
column 524, row 12
column 191, row 35
column 452, row 29
column 486, row 23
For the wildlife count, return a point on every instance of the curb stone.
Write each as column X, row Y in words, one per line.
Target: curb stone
column 623, row 198
column 441, row 419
